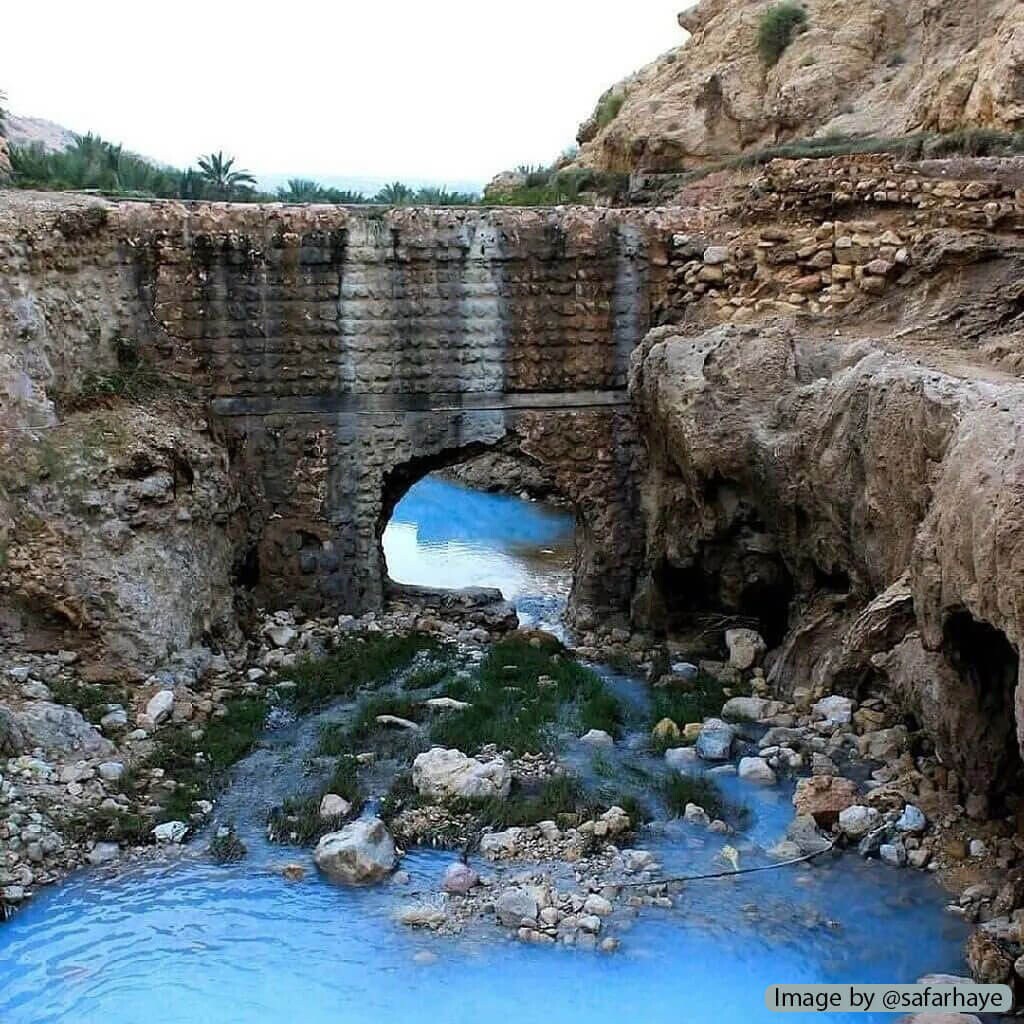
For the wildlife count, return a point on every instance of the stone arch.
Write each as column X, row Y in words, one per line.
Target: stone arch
column 590, row 454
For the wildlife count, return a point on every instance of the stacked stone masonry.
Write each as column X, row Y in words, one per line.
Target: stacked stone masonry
column 347, row 352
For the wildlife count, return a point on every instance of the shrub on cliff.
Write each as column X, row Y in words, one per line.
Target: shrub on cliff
column 608, row 108
column 778, row 26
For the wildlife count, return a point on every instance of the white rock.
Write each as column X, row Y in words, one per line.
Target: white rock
column 160, row 706
column 514, row 906
column 893, row 854
column 460, row 878
column 116, row 719
column 716, row 254
column 912, row 820
column 597, row 738
column 750, row 709
column 103, row 853
column 170, row 832
column 834, row 710
column 977, row 848
column 746, row 648
column 495, row 845
column 681, row 758
column 441, row 774
column 596, row 904
column 857, row 821
column 757, row 770
column 334, row 806
column 715, row 739
column 361, row 853
column 281, row 636
column 111, row 771
column 696, row 815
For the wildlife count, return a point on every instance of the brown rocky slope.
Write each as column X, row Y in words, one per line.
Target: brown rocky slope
column 880, row 67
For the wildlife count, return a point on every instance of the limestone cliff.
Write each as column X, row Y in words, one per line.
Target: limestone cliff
column 877, row 500
column 878, row 67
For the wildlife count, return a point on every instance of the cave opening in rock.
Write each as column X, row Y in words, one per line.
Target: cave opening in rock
column 726, row 587
column 490, row 519
column 989, row 663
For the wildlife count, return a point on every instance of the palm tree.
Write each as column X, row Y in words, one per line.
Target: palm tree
column 221, row 177
column 395, row 194
column 302, row 190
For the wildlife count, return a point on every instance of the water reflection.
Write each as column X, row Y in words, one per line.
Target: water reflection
column 446, row 535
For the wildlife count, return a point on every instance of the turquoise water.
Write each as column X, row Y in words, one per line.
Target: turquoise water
column 189, row 942
column 445, row 535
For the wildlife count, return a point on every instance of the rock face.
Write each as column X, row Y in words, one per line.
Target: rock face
column 361, row 853
column 449, row 775
column 133, row 282
column 58, row 729
column 824, row 798
column 747, row 497
column 883, row 67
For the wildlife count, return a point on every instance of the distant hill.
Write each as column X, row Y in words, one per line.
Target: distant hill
column 23, row 131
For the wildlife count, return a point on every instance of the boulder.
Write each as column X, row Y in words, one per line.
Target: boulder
column 597, row 738
column 857, row 821
column 12, row 738
column 361, row 853
column 757, row 770
column 912, row 820
column 714, row 742
column 834, row 710
column 160, row 706
column 441, row 774
column 824, row 798
column 884, row 745
column 334, row 806
column 59, row 730
column 172, row 832
column 803, row 833
column 666, row 731
column 103, row 853
column 282, row 636
column 459, row 879
column 746, row 648
column 681, row 758
column 495, row 845
column 988, row 958
column 516, row 906
column 750, row 709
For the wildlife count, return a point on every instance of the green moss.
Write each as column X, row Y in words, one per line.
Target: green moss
column 298, row 818
column 113, row 826
column 358, row 661
column 226, row 847
column 679, row 790
column 91, row 700
column 199, row 766
column 778, row 26
column 521, row 692
column 608, row 108
column 704, row 699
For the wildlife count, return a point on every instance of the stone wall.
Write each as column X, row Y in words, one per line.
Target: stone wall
column 344, row 352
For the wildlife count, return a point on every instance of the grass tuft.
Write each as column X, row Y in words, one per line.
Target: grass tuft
column 520, row 694
column 358, row 661
column 778, row 26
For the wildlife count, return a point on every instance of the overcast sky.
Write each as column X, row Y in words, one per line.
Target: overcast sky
column 450, row 90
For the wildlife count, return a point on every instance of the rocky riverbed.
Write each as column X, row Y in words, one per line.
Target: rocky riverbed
column 84, row 785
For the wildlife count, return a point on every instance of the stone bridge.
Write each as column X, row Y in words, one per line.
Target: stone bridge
column 347, row 352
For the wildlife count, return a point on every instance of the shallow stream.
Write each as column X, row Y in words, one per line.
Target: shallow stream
column 185, row 941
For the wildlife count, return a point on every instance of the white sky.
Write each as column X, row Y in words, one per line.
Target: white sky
column 451, row 90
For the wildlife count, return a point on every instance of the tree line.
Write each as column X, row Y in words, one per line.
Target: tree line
column 92, row 163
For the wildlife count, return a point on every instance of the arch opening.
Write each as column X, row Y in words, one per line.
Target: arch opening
column 486, row 518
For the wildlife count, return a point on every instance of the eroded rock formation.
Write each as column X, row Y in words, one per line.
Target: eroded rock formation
column 880, row 67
